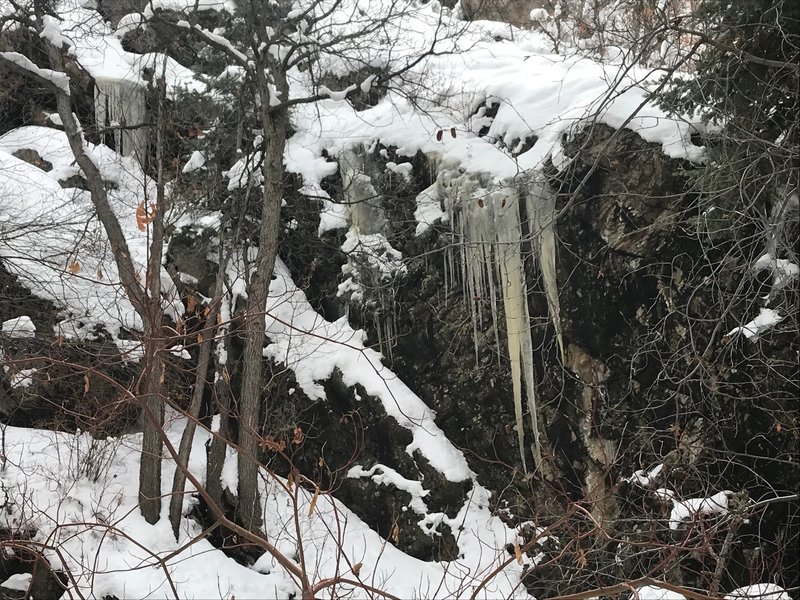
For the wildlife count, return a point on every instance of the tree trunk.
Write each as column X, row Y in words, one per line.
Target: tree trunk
column 274, row 126
column 185, row 450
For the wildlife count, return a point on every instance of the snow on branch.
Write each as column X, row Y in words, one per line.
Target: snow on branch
column 22, row 64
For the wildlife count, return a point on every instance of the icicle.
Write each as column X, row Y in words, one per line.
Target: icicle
column 120, row 103
column 541, row 205
column 515, row 303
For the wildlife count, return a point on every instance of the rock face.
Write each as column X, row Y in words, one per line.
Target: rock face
column 648, row 376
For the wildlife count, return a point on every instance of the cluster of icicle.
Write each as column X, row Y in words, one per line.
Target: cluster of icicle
column 120, row 105
column 487, row 260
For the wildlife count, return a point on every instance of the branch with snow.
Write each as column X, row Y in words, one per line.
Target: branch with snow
column 22, row 64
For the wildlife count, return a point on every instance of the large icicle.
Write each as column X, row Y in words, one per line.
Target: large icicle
column 541, row 207
column 508, row 254
column 121, row 103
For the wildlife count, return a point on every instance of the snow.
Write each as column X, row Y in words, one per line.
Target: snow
column 20, row 582
column 314, row 347
column 766, row 320
column 53, row 241
column 59, row 80
column 196, row 162
column 20, row 327
column 22, row 378
column 692, row 507
column 645, row 479
column 429, row 209
column 783, row 271
column 51, row 31
column 383, row 475
column 651, row 592
column 110, row 549
column 760, row 591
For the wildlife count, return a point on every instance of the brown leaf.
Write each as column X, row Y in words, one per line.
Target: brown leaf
column 191, row 304
column 581, row 559
column 439, row 136
column 99, row 274
column 299, row 436
column 357, row 569
column 163, row 374
column 74, row 267
column 518, row 553
column 290, row 481
column 143, row 217
column 453, row 131
column 269, row 442
column 396, row 533
column 85, row 383
column 313, row 504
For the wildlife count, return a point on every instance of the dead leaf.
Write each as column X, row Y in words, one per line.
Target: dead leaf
column 75, row 267
column 99, row 274
column 453, row 131
column 439, row 136
column 299, row 436
column 85, row 383
column 357, row 569
column 581, row 559
column 269, row 443
column 778, row 427
column 191, row 304
column 163, row 374
column 313, row 504
column 143, row 217
column 396, row 533
column 290, row 481
column 518, row 553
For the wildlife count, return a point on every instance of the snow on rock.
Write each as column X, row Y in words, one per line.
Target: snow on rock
column 652, row 592
column 314, row 347
column 644, row 478
column 692, row 507
column 20, row 327
column 766, row 320
column 20, row 582
column 383, row 475
column 21, row 379
column 783, row 271
column 196, row 161
column 759, row 591
column 429, row 209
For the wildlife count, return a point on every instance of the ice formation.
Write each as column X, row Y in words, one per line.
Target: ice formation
column 120, row 104
column 486, row 218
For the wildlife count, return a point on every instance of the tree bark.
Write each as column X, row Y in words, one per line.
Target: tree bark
column 185, row 449
column 274, row 127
